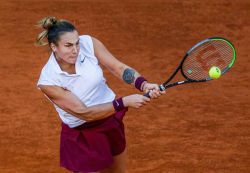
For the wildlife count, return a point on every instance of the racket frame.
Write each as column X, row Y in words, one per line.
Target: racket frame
column 165, row 85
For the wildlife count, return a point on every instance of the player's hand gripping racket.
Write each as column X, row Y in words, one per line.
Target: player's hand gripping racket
column 200, row 58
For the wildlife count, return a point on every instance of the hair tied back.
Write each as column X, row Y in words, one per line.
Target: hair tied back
column 48, row 22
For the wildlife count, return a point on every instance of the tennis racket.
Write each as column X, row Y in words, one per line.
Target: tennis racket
column 195, row 65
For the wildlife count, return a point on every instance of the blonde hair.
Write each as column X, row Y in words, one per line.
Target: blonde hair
column 53, row 28
column 46, row 23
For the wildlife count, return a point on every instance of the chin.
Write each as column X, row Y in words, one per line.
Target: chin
column 72, row 60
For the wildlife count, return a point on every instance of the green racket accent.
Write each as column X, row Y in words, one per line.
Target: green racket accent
column 234, row 51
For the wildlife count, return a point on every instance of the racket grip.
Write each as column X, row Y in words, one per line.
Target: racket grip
column 147, row 95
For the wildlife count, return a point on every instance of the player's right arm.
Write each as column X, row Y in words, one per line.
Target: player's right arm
column 70, row 103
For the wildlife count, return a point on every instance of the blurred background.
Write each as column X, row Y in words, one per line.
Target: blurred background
column 193, row 128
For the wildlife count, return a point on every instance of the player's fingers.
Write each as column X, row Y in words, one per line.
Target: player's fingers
column 147, row 90
column 159, row 93
column 151, row 94
column 152, row 87
column 139, row 105
column 163, row 92
column 156, row 87
column 155, row 94
column 146, row 98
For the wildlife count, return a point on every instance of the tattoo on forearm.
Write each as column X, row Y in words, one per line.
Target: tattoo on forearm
column 128, row 75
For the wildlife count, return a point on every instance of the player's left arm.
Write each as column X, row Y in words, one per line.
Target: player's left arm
column 119, row 69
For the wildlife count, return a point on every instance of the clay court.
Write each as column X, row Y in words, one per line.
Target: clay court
column 200, row 128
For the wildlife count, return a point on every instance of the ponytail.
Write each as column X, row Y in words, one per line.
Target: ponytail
column 53, row 28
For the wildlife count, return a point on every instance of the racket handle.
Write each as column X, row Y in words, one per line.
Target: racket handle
column 147, row 95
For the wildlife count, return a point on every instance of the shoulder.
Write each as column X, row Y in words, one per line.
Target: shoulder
column 87, row 47
column 48, row 70
column 85, row 38
column 49, row 75
column 86, row 43
column 89, row 42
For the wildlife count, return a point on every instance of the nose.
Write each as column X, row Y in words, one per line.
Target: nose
column 74, row 49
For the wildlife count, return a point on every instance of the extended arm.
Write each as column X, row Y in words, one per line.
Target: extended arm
column 70, row 103
column 119, row 69
column 123, row 71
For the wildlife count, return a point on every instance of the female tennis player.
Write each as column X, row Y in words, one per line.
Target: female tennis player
column 92, row 135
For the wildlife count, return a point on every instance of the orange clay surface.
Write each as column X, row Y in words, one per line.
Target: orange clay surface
column 200, row 128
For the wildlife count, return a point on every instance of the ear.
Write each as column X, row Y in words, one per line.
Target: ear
column 53, row 47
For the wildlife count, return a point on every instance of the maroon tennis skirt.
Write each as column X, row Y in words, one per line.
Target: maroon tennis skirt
column 91, row 146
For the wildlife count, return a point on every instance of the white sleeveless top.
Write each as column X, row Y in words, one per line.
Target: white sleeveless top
column 88, row 84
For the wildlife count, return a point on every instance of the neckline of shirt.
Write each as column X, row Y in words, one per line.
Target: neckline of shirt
column 79, row 61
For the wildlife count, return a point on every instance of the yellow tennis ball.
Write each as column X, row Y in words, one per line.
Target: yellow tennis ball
column 214, row 72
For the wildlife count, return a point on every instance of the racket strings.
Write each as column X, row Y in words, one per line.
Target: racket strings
column 213, row 53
